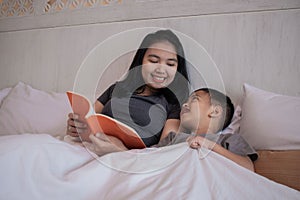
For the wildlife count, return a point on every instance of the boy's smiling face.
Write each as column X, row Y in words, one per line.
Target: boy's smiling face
column 195, row 113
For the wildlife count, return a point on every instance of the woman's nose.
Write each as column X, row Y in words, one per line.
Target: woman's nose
column 160, row 68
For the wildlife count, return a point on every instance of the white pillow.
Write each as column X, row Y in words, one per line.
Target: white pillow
column 3, row 93
column 234, row 125
column 270, row 121
column 28, row 110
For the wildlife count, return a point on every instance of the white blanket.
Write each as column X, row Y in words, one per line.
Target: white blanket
column 42, row 167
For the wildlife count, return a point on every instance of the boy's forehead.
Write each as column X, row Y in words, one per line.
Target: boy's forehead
column 200, row 93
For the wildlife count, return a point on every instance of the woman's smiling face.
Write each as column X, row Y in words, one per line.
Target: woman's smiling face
column 159, row 65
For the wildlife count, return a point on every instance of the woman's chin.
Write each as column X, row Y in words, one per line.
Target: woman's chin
column 156, row 85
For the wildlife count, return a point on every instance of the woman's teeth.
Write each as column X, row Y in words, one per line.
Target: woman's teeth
column 158, row 79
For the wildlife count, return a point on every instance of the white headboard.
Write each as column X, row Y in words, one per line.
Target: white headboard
column 249, row 41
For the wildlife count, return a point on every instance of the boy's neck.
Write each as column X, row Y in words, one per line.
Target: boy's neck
column 209, row 130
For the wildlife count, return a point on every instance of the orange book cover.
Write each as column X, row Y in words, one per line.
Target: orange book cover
column 100, row 123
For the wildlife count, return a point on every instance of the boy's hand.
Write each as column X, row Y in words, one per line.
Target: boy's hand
column 196, row 142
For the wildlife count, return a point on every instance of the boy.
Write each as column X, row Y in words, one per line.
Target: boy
column 206, row 113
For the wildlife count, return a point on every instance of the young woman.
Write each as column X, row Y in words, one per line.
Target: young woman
column 150, row 97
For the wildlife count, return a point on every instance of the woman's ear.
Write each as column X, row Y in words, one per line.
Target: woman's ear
column 216, row 111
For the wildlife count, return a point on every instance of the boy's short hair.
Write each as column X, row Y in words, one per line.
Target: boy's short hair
column 218, row 98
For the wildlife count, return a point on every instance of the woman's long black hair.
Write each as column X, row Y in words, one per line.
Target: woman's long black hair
column 177, row 91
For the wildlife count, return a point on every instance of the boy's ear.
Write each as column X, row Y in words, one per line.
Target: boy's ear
column 216, row 111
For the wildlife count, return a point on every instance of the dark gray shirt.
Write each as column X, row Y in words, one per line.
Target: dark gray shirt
column 146, row 114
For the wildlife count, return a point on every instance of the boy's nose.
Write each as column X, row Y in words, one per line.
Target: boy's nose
column 185, row 105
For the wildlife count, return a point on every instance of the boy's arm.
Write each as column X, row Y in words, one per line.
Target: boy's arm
column 198, row 141
column 244, row 161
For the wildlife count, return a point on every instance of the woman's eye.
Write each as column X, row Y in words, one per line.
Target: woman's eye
column 171, row 64
column 153, row 61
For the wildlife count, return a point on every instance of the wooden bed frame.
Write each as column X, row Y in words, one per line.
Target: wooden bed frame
column 280, row 166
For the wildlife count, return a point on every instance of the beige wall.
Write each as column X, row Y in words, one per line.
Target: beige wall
column 256, row 43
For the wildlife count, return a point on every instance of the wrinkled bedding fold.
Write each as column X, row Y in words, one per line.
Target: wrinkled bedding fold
column 43, row 167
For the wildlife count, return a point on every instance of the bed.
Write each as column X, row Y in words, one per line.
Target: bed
column 238, row 47
column 38, row 161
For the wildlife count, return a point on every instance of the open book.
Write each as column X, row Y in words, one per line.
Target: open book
column 100, row 123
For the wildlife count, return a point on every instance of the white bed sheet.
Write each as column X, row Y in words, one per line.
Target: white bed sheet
column 43, row 167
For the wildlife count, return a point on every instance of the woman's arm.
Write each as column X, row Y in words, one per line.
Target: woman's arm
column 170, row 125
column 98, row 106
column 198, row 141
column 102, row 144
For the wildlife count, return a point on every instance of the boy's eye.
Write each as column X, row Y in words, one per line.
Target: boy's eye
column 195, row 98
